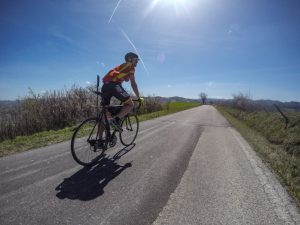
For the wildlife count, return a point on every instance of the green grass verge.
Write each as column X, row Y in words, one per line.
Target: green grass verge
column 40, row 139
column 24, row 143
column 169, row 108
column 284, row 164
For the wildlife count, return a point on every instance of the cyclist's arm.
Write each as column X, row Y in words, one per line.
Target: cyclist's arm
column 134, row 86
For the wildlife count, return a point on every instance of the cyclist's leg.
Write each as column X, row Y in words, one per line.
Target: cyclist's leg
column 125, row 98
column 127, row 107
column 106, row 96
column 101, row 131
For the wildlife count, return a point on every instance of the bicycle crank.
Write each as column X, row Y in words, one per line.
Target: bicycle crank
column 113, row 141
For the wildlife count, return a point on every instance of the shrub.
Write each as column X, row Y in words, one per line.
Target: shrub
column 151, row 104
column 51, row 110
column 241, row 101
column 55, row 110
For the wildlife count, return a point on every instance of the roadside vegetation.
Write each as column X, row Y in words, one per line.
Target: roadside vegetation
column 168, row 108
column 41, row 120
column 275, row 138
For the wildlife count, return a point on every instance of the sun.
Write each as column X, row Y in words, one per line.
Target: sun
column 170, row 2
column 178, row 5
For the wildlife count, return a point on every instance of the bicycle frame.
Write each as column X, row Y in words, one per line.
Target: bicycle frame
column 106, row 123
column 100, row 115
column 128, row 124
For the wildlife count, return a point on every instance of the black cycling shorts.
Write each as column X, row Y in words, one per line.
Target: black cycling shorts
column 113, row 89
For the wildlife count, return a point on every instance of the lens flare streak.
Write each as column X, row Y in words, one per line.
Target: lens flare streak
column 128, row 39
column 113, row 13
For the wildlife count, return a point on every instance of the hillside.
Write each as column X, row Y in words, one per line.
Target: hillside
column 264, row 103
column 6, row 103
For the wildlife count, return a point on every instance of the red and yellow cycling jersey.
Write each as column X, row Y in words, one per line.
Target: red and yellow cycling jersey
column 120, row 73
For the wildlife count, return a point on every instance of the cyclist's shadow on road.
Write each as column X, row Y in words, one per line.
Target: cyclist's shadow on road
column 89, row 182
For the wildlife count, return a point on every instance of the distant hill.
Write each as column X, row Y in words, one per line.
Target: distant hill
column 175, row 99
column 7, row 103
column 288, row 105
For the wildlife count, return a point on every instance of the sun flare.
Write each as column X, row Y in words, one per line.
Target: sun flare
column 178, row 5
column 170, row 2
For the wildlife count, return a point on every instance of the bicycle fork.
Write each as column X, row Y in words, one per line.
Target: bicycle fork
column 128, row 124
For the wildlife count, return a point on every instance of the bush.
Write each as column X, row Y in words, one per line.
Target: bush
column 51, row 110
column 55, row 110
column 151, row 104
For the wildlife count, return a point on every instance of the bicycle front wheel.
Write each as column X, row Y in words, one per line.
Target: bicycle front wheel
column 130, row 126
column 86, row 145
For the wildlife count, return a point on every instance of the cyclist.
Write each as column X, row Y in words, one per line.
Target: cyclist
column 112, row 86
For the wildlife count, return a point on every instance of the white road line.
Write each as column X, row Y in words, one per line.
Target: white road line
column 30, row 172
column 280, row 201
column 33, row 163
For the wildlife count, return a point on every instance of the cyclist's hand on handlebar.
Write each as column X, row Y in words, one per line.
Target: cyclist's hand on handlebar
column 141, row 100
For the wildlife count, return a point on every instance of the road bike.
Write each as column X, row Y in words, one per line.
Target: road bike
column 88, row 145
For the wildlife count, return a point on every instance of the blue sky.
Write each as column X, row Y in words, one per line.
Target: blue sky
column 220, row 47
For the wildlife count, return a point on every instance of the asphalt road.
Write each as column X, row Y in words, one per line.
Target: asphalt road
column 187, row 168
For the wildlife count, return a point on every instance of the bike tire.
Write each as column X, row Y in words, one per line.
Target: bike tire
column 130, row 126
column 84, row 143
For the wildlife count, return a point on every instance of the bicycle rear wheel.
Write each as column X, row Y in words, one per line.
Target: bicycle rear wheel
column 86, row 145
column 130, row 126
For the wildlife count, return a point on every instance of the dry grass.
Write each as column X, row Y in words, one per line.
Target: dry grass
column 40, row 120
column 39, row 139
column 53, row 111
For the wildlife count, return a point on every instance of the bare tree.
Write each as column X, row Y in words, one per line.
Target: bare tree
column 242, row 101
column 203, row 97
